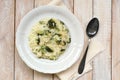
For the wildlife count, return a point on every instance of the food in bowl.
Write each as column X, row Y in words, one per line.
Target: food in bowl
column 49, row 38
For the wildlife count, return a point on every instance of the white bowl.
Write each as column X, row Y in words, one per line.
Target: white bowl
column 72, row 53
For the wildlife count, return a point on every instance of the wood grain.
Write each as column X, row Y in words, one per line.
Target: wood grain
column 41, row 2
column 105, row 67
column 22, row 72
column 6, row 40
column 69, row 4
column 115, row 40
column 83, row 11
column 102, row 63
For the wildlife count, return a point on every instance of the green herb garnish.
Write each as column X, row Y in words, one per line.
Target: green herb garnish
column 51, row 24
column 48, row 49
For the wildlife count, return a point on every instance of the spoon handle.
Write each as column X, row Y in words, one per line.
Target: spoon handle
column 82, row 63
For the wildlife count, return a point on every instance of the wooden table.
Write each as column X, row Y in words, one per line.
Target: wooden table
column 105, row 67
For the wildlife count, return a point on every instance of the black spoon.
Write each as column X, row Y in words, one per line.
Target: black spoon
column 91, row 31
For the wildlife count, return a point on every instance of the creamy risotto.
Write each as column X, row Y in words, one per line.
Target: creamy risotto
column 49, row 38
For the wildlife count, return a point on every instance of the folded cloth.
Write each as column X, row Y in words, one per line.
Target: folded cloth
column 94, row 49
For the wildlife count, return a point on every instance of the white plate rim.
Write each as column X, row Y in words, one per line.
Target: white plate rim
column 23, row 57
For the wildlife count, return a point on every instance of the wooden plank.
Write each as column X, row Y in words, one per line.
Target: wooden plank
column 41, row 2
column 41, row 76
column 37, row 75
column 102, row 63
column 116, row 40
column 69, row 4
column 22, row 72
column 83, row 11
column 6, row 39
column 56, row 78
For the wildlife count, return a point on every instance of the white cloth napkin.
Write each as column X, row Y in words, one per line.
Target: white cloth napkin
column 95, row 48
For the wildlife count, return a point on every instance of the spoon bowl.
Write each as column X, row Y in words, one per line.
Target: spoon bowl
column 92, row 28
